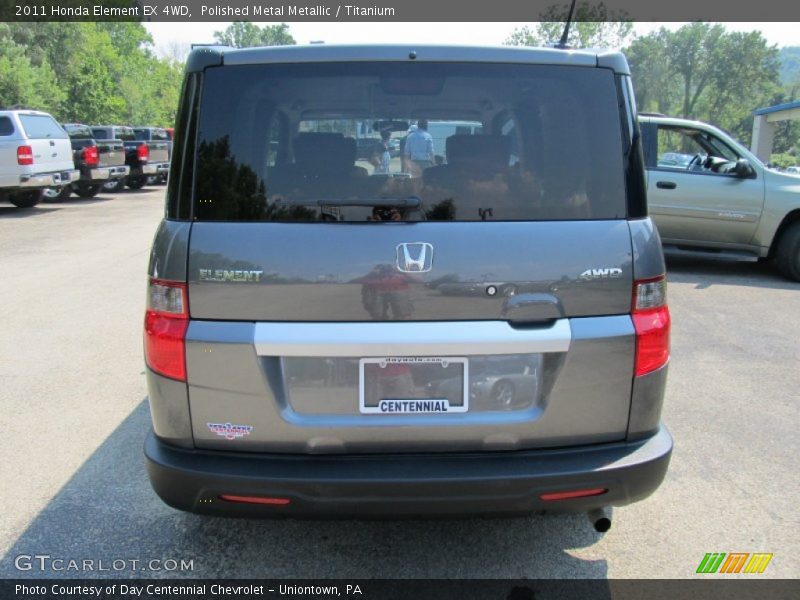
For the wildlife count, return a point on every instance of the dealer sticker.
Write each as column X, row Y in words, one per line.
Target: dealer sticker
column 230, row 431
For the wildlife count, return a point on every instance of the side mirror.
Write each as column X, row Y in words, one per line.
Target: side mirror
column 743, row 169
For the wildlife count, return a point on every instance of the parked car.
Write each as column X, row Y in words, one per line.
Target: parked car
column 35, row 154
column 724, row 202
column 504, row 383
column 793, row 170
column 298, row 384
column 156, row 134
column 98, row 162
column 142, row 157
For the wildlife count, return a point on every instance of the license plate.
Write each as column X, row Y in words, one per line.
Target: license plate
column 413, row 385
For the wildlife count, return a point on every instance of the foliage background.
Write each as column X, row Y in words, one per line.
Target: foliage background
column 110, row 73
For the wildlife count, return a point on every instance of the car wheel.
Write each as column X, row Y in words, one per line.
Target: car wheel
column 116, row 185
column 26, row 199
column 55, row 194
column 503, row 393
column 136, row 183
column 152, row 179
column 787, row 254
column 87, row 190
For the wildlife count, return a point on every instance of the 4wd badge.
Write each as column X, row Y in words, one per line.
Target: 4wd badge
column 603, row 273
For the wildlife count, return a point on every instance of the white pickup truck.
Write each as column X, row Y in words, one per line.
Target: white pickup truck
column 35, row 153
column 711, row 196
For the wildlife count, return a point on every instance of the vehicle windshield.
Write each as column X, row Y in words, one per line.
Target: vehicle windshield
column 361, row 142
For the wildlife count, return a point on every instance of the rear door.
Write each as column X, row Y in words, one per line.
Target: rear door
column 52, row 150
column 482, row 304
column 111, row 152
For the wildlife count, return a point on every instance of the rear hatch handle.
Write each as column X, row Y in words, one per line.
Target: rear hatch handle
column 453, row 338
column 526, row 308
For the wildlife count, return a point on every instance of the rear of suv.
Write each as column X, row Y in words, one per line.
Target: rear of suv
column 479, row 331
column 35, row 154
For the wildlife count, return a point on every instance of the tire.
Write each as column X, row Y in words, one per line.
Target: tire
column 88, row 190
column 114, row 186
column 53, row 194
column 787, row 253
column 26, row 199
column 136, row 183
column 152, row 179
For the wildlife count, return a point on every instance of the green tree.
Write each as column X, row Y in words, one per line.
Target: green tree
column 593, row 26
column 704, row 72
column 790, row 64
column 98, row 72
column 243, row 34
column 23, row 84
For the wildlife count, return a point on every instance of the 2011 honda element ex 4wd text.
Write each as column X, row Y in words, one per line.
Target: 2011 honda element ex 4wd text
column 481, row 329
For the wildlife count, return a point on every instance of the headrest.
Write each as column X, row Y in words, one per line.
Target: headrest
column 479, row 151
column 324, row 151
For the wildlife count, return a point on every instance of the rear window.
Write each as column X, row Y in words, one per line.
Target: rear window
column 79, row 132
column 124, row 133
column 362, row 142
column 41, row 127
column 151, row 134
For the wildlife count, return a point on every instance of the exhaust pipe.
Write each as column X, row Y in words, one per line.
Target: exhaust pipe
column 599, row 520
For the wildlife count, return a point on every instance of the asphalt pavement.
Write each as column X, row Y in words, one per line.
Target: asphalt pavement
column 75, row 415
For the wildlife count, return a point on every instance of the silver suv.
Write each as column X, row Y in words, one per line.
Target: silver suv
column 35, row 153
column 479, row 331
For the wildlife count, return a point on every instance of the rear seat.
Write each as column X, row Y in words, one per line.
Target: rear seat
column 477, row 172
column 324, row 163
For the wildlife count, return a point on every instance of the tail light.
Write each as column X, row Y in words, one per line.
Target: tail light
column 255, row 500
column 652, row 323
column 91, row 156
column 24, row 155
column 584, row 493
column 143, row 153
column 165, row 324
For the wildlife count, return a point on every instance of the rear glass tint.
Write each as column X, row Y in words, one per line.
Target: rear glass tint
column 79, row 132
column 124, row 133
column 41, row 126
column 384, row 141
column 151, row 134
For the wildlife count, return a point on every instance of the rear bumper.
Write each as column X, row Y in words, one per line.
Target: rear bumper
column 42, row 180
column 106, row 173
column 155, row 168
column 395, row 485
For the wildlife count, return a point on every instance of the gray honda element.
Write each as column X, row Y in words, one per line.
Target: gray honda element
column 472, row 325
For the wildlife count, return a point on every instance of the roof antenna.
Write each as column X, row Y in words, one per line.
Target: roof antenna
column 563, row 41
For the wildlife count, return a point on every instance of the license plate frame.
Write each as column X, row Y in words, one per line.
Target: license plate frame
column 414, row 405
